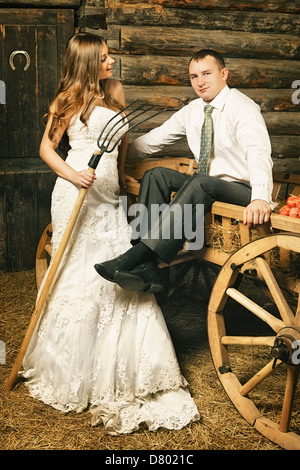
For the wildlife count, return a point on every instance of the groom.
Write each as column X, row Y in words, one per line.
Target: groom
column 228, row 137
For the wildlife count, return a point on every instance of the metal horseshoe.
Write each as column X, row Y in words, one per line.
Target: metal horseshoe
column 13, row 54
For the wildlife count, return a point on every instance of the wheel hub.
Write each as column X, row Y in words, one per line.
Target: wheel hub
column 286, row 346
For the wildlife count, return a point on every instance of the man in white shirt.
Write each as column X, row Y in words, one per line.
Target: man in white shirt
column 238, row 171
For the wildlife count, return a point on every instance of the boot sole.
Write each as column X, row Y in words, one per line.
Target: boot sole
column 131, row 282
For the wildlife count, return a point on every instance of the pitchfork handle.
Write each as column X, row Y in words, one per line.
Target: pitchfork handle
column 95, row 158
column 51, row 276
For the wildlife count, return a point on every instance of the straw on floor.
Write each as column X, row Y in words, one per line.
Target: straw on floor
column 29, row 424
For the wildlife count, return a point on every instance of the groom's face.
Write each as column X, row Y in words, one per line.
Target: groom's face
column 207, row 77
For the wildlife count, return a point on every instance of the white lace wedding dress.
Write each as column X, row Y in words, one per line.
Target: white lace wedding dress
column 97, row 345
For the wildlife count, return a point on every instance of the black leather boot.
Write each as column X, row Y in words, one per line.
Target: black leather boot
column 107, row 269
column 144, row 278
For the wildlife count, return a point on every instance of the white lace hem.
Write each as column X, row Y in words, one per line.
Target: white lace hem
column 173, row 410
column 169, row 409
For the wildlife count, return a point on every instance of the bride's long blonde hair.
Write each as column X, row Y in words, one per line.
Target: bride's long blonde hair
column 79, row 85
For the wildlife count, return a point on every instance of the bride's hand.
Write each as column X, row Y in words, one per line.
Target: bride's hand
column 84, row 178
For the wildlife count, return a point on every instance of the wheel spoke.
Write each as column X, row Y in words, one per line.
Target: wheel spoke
column 297, row 316
column 283, row 307
column 259, row 377
column 260, row 312
column 291, row 382
column 248, row 340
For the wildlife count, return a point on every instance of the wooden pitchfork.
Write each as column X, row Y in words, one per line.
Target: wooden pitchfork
column 106, row 146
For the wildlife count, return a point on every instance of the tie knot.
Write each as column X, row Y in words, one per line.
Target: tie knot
column 208, row 109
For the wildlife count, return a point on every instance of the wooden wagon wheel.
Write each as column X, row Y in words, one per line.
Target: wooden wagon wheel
column 259, row 370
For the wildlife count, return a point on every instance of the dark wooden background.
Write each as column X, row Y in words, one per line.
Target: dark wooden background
column 151, row 42
column 25, row 181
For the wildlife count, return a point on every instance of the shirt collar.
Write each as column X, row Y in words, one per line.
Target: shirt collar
column 220, row 100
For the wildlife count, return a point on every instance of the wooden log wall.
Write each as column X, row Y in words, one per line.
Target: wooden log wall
column 152, row 42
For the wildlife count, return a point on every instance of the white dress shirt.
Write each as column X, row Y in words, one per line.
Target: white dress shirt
column 241, row 148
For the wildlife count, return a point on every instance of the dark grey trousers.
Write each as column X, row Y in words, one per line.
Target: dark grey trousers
column 156, row 188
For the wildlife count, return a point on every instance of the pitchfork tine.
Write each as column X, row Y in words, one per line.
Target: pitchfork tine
column 137, row 124
column 127, row 121
column 114, row 117
column 106, row 140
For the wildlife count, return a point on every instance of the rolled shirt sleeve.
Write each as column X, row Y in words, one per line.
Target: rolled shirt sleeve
column 254, row 141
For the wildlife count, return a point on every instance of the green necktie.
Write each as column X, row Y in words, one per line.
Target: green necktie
column 206, row 138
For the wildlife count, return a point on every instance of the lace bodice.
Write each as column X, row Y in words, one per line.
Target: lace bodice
column 83, row 137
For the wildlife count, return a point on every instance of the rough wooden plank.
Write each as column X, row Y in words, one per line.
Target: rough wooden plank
column 23, row 165
column 183, row 41
column 3, row 225
column 243, row 73
column 91, row 17
column 3, row 107
column 285, row 146
column 42, row 3
column 30, row 16
column 165, row 97
column 65, row 29
column 22, row 220
column 151, row 15
column 283, row 123
column 25, row 199
column 45, row 184
column 287, row 164
column 252, row 5
column 21, row 125
column 177, row 96
column 272, row 99
column 47, row 77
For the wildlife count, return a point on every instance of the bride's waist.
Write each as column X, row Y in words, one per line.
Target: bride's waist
column 80, row 158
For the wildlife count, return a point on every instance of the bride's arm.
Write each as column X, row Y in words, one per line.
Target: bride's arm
column 47, row 152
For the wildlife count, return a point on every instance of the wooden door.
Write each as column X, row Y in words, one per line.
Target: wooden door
column 32, row 44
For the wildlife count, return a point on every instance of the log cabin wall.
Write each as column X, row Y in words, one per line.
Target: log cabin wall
column 152, row 41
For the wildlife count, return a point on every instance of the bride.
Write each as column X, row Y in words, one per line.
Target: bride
column 97, row 345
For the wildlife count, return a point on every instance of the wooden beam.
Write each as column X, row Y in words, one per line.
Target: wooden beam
column 252, row 5
column 30, row 16
column 42, row 3
column 243, row 73
column 177, row 96
column 183, row 41
column 205, row 19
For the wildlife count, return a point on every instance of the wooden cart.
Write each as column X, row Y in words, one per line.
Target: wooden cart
column 245, row 265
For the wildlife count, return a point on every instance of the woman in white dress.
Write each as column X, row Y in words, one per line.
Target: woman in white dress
column 97, row 345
